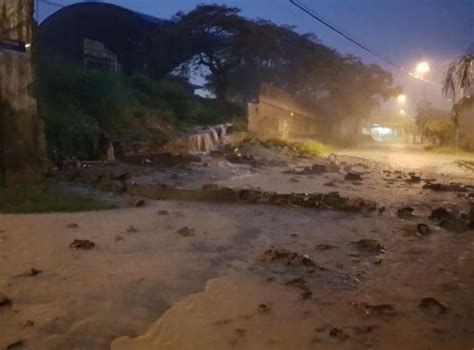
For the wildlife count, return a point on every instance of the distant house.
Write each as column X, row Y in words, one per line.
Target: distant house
column 109, row 37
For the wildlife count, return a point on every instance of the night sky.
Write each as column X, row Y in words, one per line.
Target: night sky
column 405, row 31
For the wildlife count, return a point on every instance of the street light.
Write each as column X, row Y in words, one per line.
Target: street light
column 401, row 99
column 422, row 68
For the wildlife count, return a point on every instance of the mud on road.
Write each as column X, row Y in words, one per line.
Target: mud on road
column 279, row 264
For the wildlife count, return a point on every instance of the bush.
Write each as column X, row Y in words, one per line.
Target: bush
column 79, row 105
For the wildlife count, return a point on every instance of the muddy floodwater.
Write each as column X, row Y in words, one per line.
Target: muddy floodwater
column 179, row 273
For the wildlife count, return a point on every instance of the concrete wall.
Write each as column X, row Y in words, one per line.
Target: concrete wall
column 279, row 116
column 466, row 128
column 21, row 133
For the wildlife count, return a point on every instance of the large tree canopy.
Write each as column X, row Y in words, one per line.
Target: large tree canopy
column 239, row 54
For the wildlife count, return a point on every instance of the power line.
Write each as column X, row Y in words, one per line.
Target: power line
column 347, row 36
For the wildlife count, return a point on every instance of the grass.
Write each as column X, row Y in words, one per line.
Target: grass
column 306, row 147
column 23, row 200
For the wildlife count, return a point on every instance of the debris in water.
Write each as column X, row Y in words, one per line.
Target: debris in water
column 370, row 246
column 4, row 300
column 353, row 177
column 441, row 214
column 82, row 244
column 163, row 212
column 15, row 345
column 287, row 257
column 413, row 179
column 72, row 225
column 263, row 308
column 423, row 229
column 338, row 334
column 315, row 169
column 359, row 330
column 438, row 187
column 138, row 203
column 376, row 310
column 131, row 229
column 31, row 273
column 323, row 247
column 28, row 323
column 185, row 232
column 406, row 213
column 433, row 306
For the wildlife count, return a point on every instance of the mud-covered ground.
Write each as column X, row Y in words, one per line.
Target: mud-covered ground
column 257, row 269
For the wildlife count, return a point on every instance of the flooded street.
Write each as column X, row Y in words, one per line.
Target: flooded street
column 251, row 272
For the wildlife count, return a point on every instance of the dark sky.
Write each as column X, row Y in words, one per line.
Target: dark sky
column 405, row 31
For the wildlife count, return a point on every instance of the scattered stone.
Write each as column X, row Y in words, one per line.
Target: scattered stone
column 31, row 273
column 405, row 213
column 19, row 344
column 5, row 301
column 138, row 203
column 433, row 306
column 315, row 169
column 131, row 229
column 413, row 179
column 72, row 225
column 28, row 323
column 322, row 328
column 263, row 308
column 185, row 232
column 338, row 334
column 438, row 187
column 119, row 174
column 353, row 177
column 423, row 229
column 82, row 244
column 119, row 238
column 360, row 330
column 297, row 282
column 441, row 214
column 306, row 294
column 294, row 180
column 370, row 246
column 240, row 332
column 163, row 212
column 287, row 257
column 324, row 247
column 376, row 310
column 212, row 192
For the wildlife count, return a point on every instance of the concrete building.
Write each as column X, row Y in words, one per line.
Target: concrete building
column 277, row 115
column 22, row 145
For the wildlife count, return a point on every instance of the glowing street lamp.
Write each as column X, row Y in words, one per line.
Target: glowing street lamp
column 422, row 68
column 402, row 99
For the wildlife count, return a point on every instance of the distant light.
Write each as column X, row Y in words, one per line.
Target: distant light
column 292, row 114
column 27, row 45
column 402, row 112
column 422, row 68
column 402, row 98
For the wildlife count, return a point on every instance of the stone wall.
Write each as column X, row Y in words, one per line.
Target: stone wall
column 277, row 115
column 21, row 133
